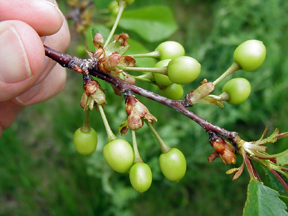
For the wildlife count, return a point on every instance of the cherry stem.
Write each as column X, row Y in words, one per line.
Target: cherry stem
column 73, row 62
column 224, row 96
column 164, row 147
column 122, row 6
column 109, row 131
column 234, row 67
column 153, row 54
column 280, row 179
column 160, row 70
column 137, row 157
column 147, row 77
column 86, row 126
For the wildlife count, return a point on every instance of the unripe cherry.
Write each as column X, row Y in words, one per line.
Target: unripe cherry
column 183, row 70
column 250, row 55
column 161, row 79
column 85, row 142
column 173, row 164
column 113, row 8
column 238, row 89
column 170, row 50
column 119, row 155
column 173, row 91
column 140, row 176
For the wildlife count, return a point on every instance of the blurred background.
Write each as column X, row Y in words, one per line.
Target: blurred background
column 42, row 174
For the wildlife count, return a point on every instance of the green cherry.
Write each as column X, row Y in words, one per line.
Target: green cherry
column 250, row 55
column 173, row 164
column 161, row 79
column 183, row 70
column 173, row 91
column 238, row 90
column 113, row 8
column 85, row 142
column 170, row 50
column 140, row 176
column 119, row 155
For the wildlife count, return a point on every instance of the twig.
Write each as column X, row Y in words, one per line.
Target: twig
column 75, row 63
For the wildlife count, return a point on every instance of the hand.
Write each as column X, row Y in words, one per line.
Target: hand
column 27, row 76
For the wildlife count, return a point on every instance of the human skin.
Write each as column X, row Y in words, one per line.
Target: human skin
column 27, row 76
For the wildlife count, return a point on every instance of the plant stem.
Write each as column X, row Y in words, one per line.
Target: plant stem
column 86, row 126
column 224, row 96
column 137, row 157
column 153, row 54
column 109, row 132
column 122, row 6
column 161, row 70
column 251, row 170
column 164, row 147
column 280, row 179
column 147, row 77
column 234, row 67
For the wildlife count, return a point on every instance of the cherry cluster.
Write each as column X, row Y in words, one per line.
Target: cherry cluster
column 173, row 69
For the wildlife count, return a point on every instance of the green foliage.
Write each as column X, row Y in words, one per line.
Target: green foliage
column 283, row 159
column 152, row 23
column 263, row 201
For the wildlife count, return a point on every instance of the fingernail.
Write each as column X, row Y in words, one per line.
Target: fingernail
column 43, row 39
column 28, row 95
column 13, row 58
column 51, row 2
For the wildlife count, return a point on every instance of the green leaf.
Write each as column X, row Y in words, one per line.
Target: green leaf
column 262, row 201
column 271, row 139
column 284, row 199
column 115, row 46
column 283, row 158
column 152, row 23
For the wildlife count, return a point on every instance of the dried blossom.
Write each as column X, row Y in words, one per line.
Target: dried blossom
column 136, row 112
column 222, row 148
column 122, row 38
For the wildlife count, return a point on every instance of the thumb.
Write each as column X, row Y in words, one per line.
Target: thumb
column 22, row 58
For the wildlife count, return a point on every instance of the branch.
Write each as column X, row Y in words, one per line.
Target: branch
column 78, row 64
